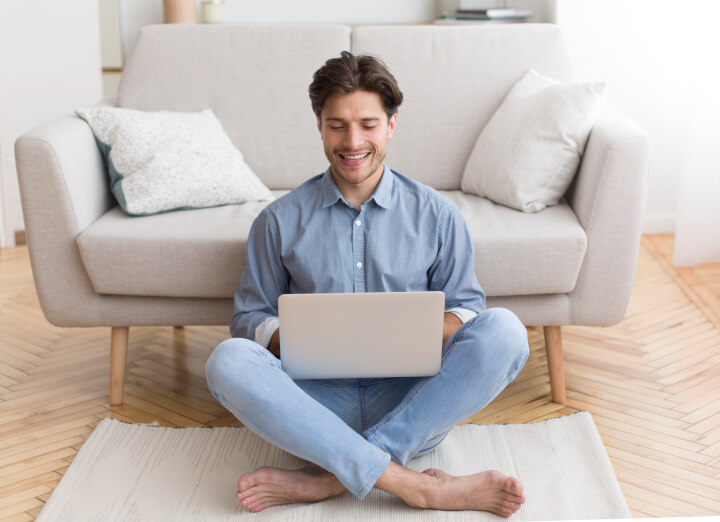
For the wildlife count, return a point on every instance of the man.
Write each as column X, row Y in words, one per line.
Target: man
column 361, row 227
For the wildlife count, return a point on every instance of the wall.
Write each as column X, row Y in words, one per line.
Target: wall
column 136, row 13
column 645, row 50
column 49, row 64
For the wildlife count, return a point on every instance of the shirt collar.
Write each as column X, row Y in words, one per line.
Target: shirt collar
column 382, row 194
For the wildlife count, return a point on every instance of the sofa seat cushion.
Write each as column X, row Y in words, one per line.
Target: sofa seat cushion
column 201, row 253
column 517, row 253
column 186, row 253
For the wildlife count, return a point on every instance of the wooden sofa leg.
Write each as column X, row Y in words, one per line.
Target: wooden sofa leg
column 118, row 360
column 556, row 368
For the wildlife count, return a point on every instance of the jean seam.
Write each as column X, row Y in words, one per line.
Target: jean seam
column 361, row 391
column 401, row 407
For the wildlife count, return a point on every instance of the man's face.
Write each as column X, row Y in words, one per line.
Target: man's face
column 355, row 130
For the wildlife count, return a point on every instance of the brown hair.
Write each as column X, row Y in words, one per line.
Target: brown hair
column 350, row 73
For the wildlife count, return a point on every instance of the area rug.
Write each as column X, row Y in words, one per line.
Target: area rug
column 136, row 472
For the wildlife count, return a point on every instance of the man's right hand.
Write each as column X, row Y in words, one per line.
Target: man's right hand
column 274, row 346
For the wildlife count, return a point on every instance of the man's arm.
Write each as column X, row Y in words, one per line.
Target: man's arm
column 262, row 282
column 453, row 273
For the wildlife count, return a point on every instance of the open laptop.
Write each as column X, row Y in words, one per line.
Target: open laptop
column 335, row 336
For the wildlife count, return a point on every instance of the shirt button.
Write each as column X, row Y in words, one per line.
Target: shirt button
column 359, row 265
column 358, row 223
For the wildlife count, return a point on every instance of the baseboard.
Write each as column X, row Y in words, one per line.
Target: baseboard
column 659, row 224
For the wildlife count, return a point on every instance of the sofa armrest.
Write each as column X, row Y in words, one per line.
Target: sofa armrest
column 64, row 188
column 609, row 197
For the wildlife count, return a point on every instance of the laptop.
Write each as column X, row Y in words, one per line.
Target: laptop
column 337, row 336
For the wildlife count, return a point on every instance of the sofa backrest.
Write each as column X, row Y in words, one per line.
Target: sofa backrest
column 255, row 78
column 453, row 79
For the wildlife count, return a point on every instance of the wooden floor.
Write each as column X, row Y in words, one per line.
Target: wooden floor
column 652, row 384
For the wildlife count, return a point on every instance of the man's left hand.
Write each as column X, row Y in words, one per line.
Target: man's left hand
column 450, row 325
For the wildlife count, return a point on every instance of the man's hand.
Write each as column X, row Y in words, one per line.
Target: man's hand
column 450, row 325
column 274, row 346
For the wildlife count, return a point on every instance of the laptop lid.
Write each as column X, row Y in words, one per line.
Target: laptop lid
column 385, row 334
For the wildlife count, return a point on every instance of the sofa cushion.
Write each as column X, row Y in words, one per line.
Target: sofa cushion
column 523, row 254
column 187, row 253
column 201, row 253
column 453, row 79
column 255, row 78
column 527, row 154
column 164, row 160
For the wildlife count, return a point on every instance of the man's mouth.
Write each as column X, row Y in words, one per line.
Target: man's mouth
column 354, row 157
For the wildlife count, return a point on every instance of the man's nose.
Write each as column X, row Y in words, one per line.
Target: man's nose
column 353, row 138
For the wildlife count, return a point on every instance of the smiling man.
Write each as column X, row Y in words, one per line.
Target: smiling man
column 355, row 131
column 362, row 227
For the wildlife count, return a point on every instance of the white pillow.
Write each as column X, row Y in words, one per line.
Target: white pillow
column 527, row 154
column 161, row 161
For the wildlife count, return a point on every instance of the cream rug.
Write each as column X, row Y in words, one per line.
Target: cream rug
column 135, row 472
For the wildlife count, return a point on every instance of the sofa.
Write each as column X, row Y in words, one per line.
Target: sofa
column 570, row 264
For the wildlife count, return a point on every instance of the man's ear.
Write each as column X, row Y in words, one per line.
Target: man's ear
column 392, row 122
column 319, row 124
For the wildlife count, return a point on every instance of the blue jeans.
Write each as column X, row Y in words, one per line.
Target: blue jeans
column 353, row 427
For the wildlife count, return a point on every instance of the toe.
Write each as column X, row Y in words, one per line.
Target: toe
column 513, row 498
column 247, row 493
column 511, row 506
column 246, row 481
column 512, row 485
column 246, row 504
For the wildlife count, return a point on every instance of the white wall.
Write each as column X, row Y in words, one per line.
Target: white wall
column 137, row 13
column 133, row 15
column 332, row 11
column 49, row 64
column 647, row 52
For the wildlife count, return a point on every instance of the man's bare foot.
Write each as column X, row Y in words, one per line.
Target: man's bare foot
column 486, row 491
column 435, row 489
column 268, row 486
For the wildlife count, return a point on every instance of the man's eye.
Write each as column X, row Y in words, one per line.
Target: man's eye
column 336, row 127
column 369, row 126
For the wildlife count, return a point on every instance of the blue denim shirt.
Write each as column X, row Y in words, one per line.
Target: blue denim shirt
column 405, row 238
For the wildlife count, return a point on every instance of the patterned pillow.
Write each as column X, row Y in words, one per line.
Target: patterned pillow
column 162, row 161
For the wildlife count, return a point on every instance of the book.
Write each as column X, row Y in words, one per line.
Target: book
column 495, row 14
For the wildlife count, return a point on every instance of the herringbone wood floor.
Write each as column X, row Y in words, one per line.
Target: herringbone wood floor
column 650, row 382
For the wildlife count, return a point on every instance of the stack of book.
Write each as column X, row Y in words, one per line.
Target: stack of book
column 496, row 14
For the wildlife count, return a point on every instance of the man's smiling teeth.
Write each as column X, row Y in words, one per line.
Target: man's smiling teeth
column 356, row 157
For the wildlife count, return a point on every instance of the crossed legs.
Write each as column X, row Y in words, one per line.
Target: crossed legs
column 358, row 445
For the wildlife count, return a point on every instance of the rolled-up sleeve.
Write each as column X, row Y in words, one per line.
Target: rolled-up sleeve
column 453, row 271
column 263, row 280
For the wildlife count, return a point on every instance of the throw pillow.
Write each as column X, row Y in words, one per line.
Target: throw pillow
column 527, row 154
column 162, row 161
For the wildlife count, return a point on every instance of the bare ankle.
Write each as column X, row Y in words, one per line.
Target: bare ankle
column 413, row 488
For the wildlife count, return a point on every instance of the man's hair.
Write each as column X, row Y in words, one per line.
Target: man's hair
column 350, row 73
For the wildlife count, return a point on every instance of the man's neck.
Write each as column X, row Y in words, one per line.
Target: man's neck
column 357, row 194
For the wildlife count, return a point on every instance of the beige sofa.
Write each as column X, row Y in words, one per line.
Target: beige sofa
column 570, row 264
